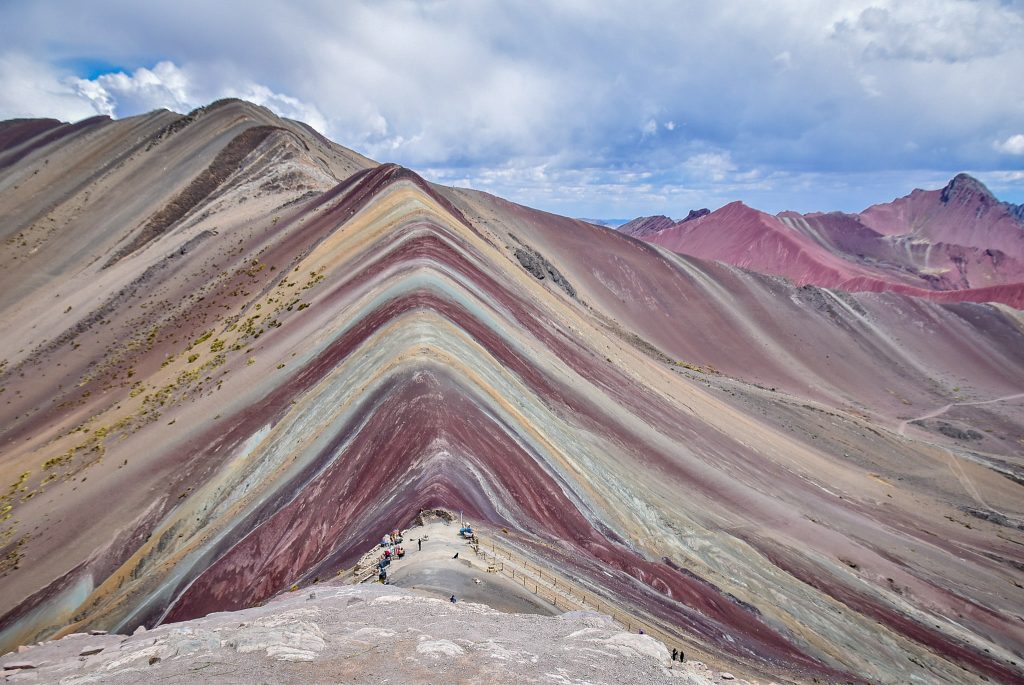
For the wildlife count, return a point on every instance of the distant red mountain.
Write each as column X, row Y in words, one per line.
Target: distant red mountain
column 959, row 243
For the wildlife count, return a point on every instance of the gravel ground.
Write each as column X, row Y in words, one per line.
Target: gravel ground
column 361, row 634
column 433, row 570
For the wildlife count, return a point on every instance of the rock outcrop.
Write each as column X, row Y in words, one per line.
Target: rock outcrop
column 362, row 634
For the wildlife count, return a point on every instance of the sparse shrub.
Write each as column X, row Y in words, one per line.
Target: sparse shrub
column 201, row 339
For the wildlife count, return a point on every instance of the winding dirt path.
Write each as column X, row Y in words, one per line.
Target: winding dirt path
column 902, row 428
column 953, row 462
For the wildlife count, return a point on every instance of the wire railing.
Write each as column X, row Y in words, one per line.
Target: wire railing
column 555, row 589
column 566, row 595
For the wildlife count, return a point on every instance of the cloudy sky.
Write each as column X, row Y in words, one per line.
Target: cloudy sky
column 602, row 109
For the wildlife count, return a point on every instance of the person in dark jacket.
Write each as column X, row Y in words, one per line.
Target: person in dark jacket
column 453, row 599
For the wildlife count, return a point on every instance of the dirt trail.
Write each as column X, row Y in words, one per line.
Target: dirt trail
column 493, row 573
column 952, row 460
column 902, row 427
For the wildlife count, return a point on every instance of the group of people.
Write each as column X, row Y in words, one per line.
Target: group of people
column 676, row 653
column 391, row 548
column 391, row 544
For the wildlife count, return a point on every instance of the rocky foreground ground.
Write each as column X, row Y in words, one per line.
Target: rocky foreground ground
column 363, row 633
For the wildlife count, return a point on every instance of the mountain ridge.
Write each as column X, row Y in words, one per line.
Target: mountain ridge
column 956, row 239
column 323, row 345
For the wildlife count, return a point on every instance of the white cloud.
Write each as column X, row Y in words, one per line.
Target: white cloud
column 29, row 88
column 282, row 105
column 714, row 166
column 812, row 88
column 870, row 85
column 1014, row 145
column 784, row 59
column 1003, row 178
column 926, row 30
column 165, row 86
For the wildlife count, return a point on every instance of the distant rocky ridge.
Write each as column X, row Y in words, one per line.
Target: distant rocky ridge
column 955, row 244
column 608, row 223
column 647, row 225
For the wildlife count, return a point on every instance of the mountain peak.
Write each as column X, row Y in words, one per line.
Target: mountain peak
column 696, row 214
column 963, row 185
column 646, row 225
